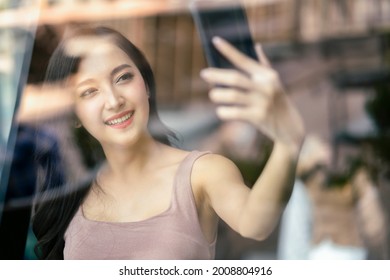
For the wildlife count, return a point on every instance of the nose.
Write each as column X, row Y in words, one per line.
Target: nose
column 114, row 100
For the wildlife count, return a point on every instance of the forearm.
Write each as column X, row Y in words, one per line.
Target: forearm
column 270, row 193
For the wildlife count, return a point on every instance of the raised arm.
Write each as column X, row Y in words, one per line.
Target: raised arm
column 253, row 94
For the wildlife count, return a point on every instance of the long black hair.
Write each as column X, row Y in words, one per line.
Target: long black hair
column 56, row 205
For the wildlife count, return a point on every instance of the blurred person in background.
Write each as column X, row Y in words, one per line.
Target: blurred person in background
column 148, row 199
column 371, row 217
column 295, row 232
column 348, row 222
column 326, row 219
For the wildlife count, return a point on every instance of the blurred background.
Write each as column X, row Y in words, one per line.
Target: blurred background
column 333, row 57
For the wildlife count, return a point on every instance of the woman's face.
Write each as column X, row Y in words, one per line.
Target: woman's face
column 111, row 99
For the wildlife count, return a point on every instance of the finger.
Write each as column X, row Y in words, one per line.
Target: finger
column 236, row 113
column 262, row 57
column 229, row 96
column 227, row 77
column 232, row 113
column 255, row 110
column 236, row 57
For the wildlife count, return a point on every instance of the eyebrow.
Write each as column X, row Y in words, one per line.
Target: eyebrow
column 119, row 68
column 112, row 74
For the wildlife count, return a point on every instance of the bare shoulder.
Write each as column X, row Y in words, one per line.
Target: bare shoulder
column 212, row 160
column 218, row 184
column 211, row 168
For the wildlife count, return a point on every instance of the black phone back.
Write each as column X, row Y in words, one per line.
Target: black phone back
column 229, row 22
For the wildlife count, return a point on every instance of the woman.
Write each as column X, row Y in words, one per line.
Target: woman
column 150, row 200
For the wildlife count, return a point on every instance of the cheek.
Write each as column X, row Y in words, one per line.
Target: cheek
column 86, row 113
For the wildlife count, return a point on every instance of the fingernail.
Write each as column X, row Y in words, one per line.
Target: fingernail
column 203, row 73
column 217, row 40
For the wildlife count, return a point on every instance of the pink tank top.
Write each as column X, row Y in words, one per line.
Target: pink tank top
column 173, row 234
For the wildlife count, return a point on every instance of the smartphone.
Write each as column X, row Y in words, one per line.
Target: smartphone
column 228, row 21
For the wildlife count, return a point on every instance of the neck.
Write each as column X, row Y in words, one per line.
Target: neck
column 125, row 160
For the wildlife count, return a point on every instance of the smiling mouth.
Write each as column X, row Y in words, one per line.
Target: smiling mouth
column 120, row 120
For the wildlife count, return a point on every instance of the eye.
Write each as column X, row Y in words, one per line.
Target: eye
column 125, row 77
column 88, row 92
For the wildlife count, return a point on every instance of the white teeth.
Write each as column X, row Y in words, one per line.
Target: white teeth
column 120, row 120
